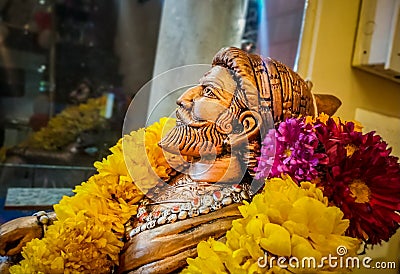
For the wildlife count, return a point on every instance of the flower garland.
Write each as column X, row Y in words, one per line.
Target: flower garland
column 355, row 170
column 355, row 191
column 345, row 189
column 287, row 221
column 147, row 175
column 68, row 124
column 86, row 236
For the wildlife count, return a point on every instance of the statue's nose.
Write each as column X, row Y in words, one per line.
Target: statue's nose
column 187, row 98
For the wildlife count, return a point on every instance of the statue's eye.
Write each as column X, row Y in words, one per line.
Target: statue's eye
column 208, row 92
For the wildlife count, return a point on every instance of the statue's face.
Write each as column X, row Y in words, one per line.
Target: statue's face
column 207, row 101
column 197, row 132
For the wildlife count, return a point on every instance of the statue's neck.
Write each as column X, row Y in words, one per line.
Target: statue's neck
column 209, row 186
column 225, row 169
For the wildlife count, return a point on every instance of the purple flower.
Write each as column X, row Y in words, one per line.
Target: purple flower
column 266, row 160
column 295, row 144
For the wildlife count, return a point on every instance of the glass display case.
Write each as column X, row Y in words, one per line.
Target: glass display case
column 61, row 97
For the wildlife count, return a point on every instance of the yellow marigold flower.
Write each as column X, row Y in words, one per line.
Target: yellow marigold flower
column 84, row 241
column 114, row 164
column 147, row 163
column 285, row 221
column 109, row 198
column 86, row 236
column 68, row 124
column 210, row 261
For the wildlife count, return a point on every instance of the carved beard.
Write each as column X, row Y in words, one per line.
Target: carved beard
column 193, row 138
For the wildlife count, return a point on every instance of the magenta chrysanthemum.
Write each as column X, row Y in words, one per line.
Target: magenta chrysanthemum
column 362, row 179
column 295, row 155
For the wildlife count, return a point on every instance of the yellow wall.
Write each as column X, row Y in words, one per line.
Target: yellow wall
column 326, row 59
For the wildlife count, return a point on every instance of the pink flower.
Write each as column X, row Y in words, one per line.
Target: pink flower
column 295, row 155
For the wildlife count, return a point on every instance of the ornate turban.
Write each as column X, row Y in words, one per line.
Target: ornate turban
column 267, row 85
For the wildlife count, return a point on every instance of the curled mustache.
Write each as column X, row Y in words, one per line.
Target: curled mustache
column 194, row 141
column 184, row 117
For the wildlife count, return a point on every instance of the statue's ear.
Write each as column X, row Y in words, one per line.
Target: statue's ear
column 251, row 122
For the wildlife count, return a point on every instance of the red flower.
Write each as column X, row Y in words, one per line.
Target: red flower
column 362, row 179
